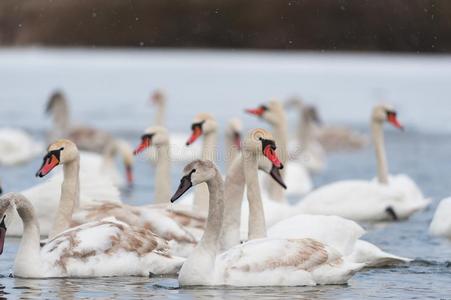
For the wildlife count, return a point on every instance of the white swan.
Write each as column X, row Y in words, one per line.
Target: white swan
column 87, row 138
column 441, row 222
column 259, row 262
column 101, row 248
column 17, row 146
column 387, row 198
column 342, row 234
column 295, row 174
column 164, row 221
column 45, row 197
column 179, row 151
column 337, row 232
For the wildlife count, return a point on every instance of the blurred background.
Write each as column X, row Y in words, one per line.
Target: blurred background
column 384, row 25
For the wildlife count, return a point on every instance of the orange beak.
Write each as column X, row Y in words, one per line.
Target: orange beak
column 272, row 156
column 48, row 165
column 257, row 111
column 143, row 146
column 197, row 132
column 394, row 121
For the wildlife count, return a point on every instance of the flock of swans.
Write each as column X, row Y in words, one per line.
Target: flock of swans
column 237, row 230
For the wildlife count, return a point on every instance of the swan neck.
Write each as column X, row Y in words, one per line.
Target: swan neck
column 208, row 153
column 276, row 192
column 232, row 151
column 210, row 239
column 70, row 197
column 257, row 225
column 29, row 248
column 163, row 176
column 233, row 191
column 379, row 144
column 160, row 114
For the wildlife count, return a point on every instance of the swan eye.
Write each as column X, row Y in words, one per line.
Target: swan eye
column 264, row 107
column 193, row 171
column 61, row 149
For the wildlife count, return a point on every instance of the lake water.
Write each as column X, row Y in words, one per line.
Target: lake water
column 110, row 90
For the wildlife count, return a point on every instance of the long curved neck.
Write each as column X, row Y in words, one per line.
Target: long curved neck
column 257, row 225
column 210, row 239
column 233, row 191
column 209, row 153
column 378, row 140
column 276, row 192
column 70, row 197
column 29, row 249
column 160, row 114
column 163, row 176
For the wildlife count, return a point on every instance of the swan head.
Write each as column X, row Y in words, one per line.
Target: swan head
column 260, row 141
column 60, row 152
column 233, row 131
column 158, row 98
column 56, row 102
column 272, row 112
column 194, row 173
column 386, row 113
column 8, row 210
column 155, row 135
column 203, row 123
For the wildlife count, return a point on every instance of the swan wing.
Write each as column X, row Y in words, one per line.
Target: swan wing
column 283, row 262
column 108, row 248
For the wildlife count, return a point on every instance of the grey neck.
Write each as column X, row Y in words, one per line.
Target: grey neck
column 212, row 233
column 257, row 225
column 234, row 190
column 70, row 197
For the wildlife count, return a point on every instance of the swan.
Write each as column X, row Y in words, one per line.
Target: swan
column 17, row 146
column 295, row 174
column 344, row 235
column 45, row 197
column 330, row 138
column 232, row 141
column 392, row 197
column 69, row 214
column 306, row 148
column 259, row 262
column 441, row 222
column 101, row 248
column 86, row 138
column 179, row 227
column 179, row 151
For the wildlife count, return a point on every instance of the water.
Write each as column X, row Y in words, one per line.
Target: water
column 110, row 89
